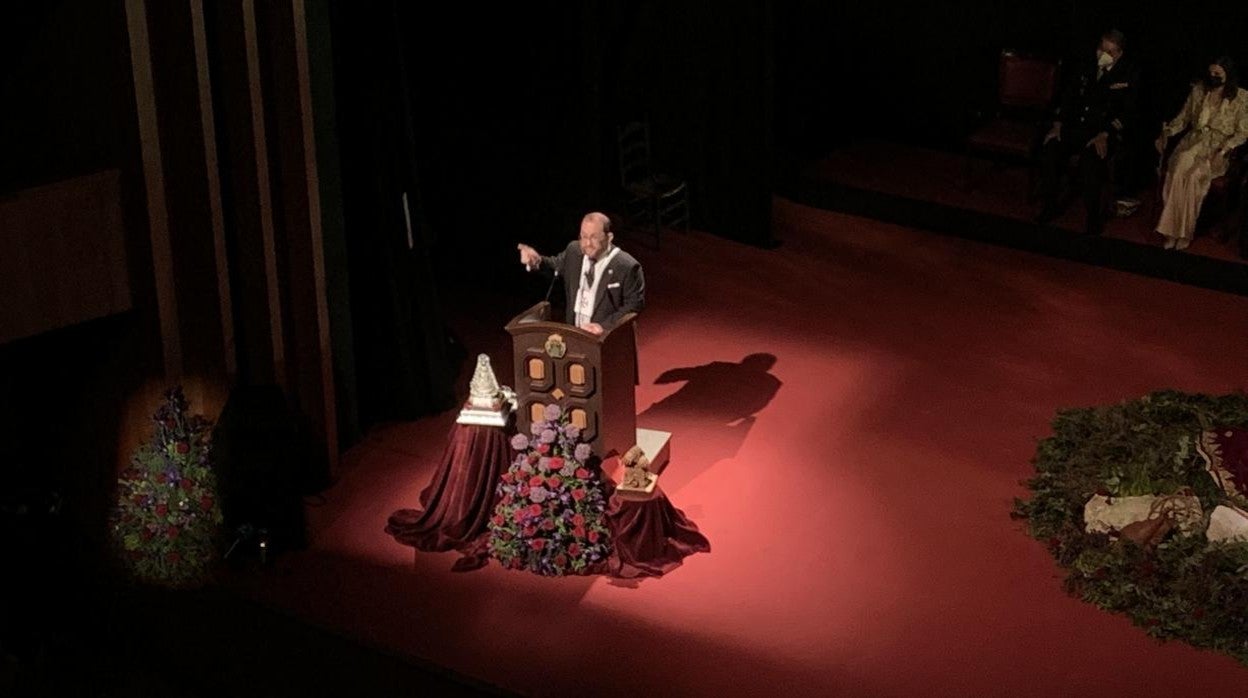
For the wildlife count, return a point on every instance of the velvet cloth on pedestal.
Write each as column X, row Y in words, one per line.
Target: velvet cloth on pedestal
column 652, row 537
column 460, row 499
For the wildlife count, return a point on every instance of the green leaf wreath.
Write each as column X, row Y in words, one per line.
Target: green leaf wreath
column 167, row 520
column 1185, row 587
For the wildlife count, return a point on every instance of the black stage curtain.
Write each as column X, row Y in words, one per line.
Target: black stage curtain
column 401, row 348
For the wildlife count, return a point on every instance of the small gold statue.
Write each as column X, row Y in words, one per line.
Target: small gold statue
column 637, row 475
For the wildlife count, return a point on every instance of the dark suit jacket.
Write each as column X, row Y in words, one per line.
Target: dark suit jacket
column 1090, row 106
column 622, row 289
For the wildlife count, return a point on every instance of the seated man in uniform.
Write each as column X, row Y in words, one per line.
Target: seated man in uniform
column 1096, row 109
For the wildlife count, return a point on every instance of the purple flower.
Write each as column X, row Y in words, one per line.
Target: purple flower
column 519, row 442
column 572, row 431
column 537, row 427
column 569, row 469
column 582, row 452
column 553, row 412
column 548, row 436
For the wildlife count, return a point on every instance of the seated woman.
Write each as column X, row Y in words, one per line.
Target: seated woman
column 1215, row 117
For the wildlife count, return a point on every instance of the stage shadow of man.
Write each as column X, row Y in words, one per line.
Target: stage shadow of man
column 713, row 412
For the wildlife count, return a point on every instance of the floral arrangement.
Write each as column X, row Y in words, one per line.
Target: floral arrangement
column 1183, row 587
column 549, row 519
column 167, row 520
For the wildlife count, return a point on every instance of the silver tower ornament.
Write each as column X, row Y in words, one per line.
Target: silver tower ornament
column 489, row 404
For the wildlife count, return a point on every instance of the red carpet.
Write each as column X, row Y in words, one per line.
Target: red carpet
column 856, row 493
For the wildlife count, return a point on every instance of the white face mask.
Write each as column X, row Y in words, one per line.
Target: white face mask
column 1104, row 60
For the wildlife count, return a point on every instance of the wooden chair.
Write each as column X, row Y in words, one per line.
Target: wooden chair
column 659, row 199
column 1026, row 87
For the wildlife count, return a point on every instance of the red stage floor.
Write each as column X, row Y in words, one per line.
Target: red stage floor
column 939, row 177
column 856, row 496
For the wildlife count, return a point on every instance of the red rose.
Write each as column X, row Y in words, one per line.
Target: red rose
column 173, row 556
column 497, row 520
column 553, row 481
column 534, row 458
column 535, row 509
column 537, row 481
column 508, row 499
column 183, row 447
column 579, row 494
column 173, row 533
column 548, row 525
column 543, row 449
column 578, row 532
column 582, row 473
column 519, row 515
column 578, row 520
column 537, row 543
column 508, row 477
column 187, row 484
column 206, row 503
column 593, row 536
column 574, row 550
column 556, row 463
column 161, row 478
column 162, row 510
column 561, row 560
column 146, row 534
column 529, row 531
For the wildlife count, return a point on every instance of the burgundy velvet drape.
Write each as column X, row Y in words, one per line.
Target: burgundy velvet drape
column 651, row 537
column 460, row 499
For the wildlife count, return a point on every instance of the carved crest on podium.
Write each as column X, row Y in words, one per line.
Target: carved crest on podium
column 555, row 347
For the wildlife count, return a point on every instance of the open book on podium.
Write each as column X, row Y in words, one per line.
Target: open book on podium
column 592, row 378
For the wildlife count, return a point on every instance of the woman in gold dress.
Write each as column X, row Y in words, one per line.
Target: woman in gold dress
column 1215, row 117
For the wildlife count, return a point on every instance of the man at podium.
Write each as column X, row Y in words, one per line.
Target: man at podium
column 603, row 283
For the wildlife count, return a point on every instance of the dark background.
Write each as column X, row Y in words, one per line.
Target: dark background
column 513, row 107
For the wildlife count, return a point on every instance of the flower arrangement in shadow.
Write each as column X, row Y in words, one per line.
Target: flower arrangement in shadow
column 166, row 523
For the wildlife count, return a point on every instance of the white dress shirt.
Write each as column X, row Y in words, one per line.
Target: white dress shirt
column 586, row 294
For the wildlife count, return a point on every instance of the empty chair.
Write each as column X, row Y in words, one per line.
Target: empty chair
column 1026, row 86
column 657, row 199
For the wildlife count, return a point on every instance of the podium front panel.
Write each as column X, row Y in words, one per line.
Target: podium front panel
column 593, row 380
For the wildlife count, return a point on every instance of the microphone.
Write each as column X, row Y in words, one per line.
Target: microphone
column 551, row 287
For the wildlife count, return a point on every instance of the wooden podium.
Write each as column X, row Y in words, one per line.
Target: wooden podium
column 592, row 377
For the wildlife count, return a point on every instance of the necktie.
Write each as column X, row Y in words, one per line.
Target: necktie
column 589, row 276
